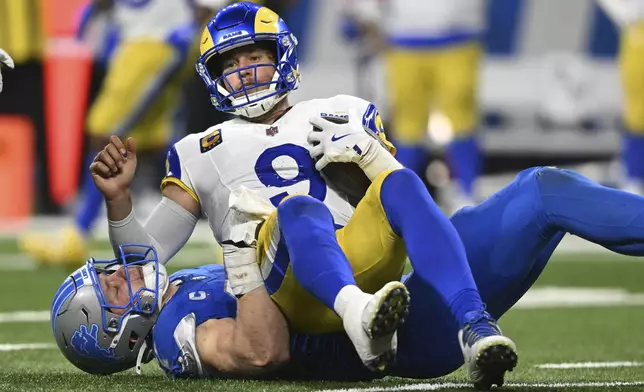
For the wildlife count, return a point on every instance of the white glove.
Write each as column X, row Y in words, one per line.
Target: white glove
column 349, row 142
column 242, row 269
column 6, row 60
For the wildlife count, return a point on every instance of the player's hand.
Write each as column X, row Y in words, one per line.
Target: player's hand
column 113, row 168
column 6, row 60
column 242, row 269
column 339, row 142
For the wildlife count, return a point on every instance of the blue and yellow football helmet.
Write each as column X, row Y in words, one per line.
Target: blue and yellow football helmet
column 243, row 24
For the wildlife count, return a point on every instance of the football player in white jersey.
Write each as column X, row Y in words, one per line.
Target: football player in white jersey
column 261, row 179
column 432, row 51
column 628, row 15
column 5, row 59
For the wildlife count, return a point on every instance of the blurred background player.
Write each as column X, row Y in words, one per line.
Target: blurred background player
column 5, row 59
column 22, row 36
column 432, row 53
column 140, row 96
column 629, row 16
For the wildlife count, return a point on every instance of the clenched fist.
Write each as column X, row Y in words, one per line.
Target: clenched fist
column 113, row 168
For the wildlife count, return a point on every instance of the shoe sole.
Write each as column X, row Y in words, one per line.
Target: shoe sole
column 493, row 362
column 391, row 312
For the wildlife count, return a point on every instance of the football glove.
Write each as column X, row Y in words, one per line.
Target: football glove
column 348, row 142
column 6, row 60
column 242, row 270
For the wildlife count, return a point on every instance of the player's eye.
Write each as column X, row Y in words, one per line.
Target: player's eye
column 105, row 272
column 229, row 64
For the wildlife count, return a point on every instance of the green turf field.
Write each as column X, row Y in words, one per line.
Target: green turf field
column 555, row 334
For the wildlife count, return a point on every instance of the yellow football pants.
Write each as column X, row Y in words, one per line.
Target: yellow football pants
column 631, row 65
column 139, row 95
column 376, row 254
column 445, row 79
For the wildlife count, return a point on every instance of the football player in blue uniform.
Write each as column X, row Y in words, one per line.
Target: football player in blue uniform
column 105, row 314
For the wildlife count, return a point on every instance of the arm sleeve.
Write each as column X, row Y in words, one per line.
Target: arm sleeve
column 168, row 229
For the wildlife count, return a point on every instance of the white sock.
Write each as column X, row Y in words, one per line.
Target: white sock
column 346, row 294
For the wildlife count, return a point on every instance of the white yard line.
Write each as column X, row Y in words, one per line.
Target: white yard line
column 26, row 346
column 24, row 316
column 577, row 297
column 448, row 385
column 589, row 365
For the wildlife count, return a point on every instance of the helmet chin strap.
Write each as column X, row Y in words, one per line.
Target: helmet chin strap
column 258, row 108
column 150, row 279
column 143, row 357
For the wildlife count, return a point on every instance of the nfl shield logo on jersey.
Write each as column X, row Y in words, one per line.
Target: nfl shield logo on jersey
column 272, row 131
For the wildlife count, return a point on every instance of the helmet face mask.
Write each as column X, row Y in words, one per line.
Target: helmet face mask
column 240, row 25
column 101, row 336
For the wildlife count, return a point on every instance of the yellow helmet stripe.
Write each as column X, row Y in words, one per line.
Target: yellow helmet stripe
column 266, row 21
column 206, row 42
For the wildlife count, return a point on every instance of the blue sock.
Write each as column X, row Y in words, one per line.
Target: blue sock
column 414, row 157
column 318, row 262
column 464, row 157
column 91, row 202
column 606, row 216
column 433, row 244
column 632, row 155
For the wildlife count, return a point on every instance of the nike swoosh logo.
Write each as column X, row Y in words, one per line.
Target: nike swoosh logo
column 333, row 138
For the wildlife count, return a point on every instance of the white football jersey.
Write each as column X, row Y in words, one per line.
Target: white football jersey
column 421, row 19
column 272, row 159
column 152, row 19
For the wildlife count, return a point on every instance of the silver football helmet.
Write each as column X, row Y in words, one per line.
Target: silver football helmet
column 100, row 337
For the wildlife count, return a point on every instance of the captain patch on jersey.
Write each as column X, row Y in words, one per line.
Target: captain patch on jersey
column 210, row 141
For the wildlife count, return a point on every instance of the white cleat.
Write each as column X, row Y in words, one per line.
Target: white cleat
column 488, row 354
column 371, row 322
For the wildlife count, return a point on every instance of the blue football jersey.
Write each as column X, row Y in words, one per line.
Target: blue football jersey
column 201, row 296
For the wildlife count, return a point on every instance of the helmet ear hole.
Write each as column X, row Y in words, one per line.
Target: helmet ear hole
column 134, row 337
column 214, row 66
column 84, row 311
